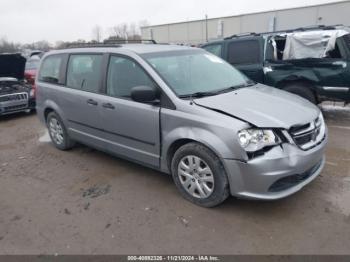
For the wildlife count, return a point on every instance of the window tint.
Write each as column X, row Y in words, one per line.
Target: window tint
column 244, row 52
column 50, row 69
column 214, row 49
column 123, row 75
column 84, row 72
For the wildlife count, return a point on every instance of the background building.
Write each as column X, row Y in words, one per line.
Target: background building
column 198, row 31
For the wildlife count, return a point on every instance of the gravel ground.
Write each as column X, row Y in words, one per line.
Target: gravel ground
column 85, row 201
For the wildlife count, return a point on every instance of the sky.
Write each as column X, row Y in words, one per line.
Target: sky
column 28, row 21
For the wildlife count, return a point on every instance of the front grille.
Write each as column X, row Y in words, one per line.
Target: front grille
column 309, row 135
column 290, row 181
column 14, row 97
column 13, row 102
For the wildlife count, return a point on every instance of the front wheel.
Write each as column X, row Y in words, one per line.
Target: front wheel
column 58, row 132
column 199, row 175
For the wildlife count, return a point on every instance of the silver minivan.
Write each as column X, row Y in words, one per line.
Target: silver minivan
column 187, row 113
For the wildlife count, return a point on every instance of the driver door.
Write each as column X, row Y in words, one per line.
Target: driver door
column 131, row 127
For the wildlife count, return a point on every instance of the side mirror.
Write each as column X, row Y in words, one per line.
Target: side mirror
column 144, row 94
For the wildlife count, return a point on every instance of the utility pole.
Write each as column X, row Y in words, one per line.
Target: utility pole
column 206, row 27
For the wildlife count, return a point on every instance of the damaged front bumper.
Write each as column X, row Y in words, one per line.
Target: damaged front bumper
column 280, row 172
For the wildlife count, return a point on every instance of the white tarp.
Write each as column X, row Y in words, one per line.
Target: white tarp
column 311, row 44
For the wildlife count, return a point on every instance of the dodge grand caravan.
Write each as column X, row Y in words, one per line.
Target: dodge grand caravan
column 187, row 113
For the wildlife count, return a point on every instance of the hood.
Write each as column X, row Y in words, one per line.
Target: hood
column 12, row 65
column 263, row 106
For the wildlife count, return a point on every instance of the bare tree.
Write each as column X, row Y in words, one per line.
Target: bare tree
column 117, row 32
column 97, row 33
column 9, row 47
column 143, row 23
column 120, row 31
column 133, row 31
column 125, row 31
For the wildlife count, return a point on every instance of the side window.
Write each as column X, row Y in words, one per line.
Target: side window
column 244, row 52
column 214, row 49
column 50, row 69
column 123, row 75
column 84, row 72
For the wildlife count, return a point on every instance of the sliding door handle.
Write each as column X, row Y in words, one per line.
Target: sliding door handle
column 108, row 106
column 92, row 102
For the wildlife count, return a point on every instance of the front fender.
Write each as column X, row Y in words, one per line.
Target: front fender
column 221, row 147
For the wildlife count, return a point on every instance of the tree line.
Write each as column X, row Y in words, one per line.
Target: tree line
column 123, row 31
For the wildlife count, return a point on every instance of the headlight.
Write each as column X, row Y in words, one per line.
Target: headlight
column 255, row 139
column 320, row 120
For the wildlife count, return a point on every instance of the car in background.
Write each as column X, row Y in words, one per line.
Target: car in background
column 31, row 68
column 16, row 95
column 313, row 62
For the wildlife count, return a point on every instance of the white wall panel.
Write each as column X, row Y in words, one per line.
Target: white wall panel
column 194, row 32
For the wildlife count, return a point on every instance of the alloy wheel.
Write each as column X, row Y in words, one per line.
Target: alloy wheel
column 196, row 176
column 56, row 131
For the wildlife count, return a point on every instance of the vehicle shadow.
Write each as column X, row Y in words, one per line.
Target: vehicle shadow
column 16, row 116
column 165, row 181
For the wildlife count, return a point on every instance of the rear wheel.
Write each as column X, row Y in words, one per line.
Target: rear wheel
column 302, row 89
column 58, row 132
column 199, row 175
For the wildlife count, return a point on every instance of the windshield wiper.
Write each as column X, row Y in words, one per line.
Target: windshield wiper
column 248, row 84
column 232, row 88
column 217, row 92
column 199, row 95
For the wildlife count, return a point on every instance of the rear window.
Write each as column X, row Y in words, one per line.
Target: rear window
column 84, row 72
column 244, row 52
column 50, row 69
column 32, row 64
column 214, row 49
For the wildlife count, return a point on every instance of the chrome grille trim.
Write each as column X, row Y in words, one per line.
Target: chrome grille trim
column 14, row 97
column 311, row 135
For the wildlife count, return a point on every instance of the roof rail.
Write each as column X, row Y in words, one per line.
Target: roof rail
column 91, row 45
column 126, row 41
column 241, row 34
column 107, row 43
column 302, row 29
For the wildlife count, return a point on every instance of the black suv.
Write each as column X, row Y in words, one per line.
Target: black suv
column 312, row 62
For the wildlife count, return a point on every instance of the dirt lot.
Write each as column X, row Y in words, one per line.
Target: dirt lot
column 85, row 201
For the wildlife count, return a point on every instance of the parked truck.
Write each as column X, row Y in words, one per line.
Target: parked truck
column 311, row 62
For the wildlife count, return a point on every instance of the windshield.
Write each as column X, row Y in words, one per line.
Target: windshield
column 195, row 71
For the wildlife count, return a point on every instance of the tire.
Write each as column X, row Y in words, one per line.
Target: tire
column 60, row 137
column 199, row 181
column 303, row 90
